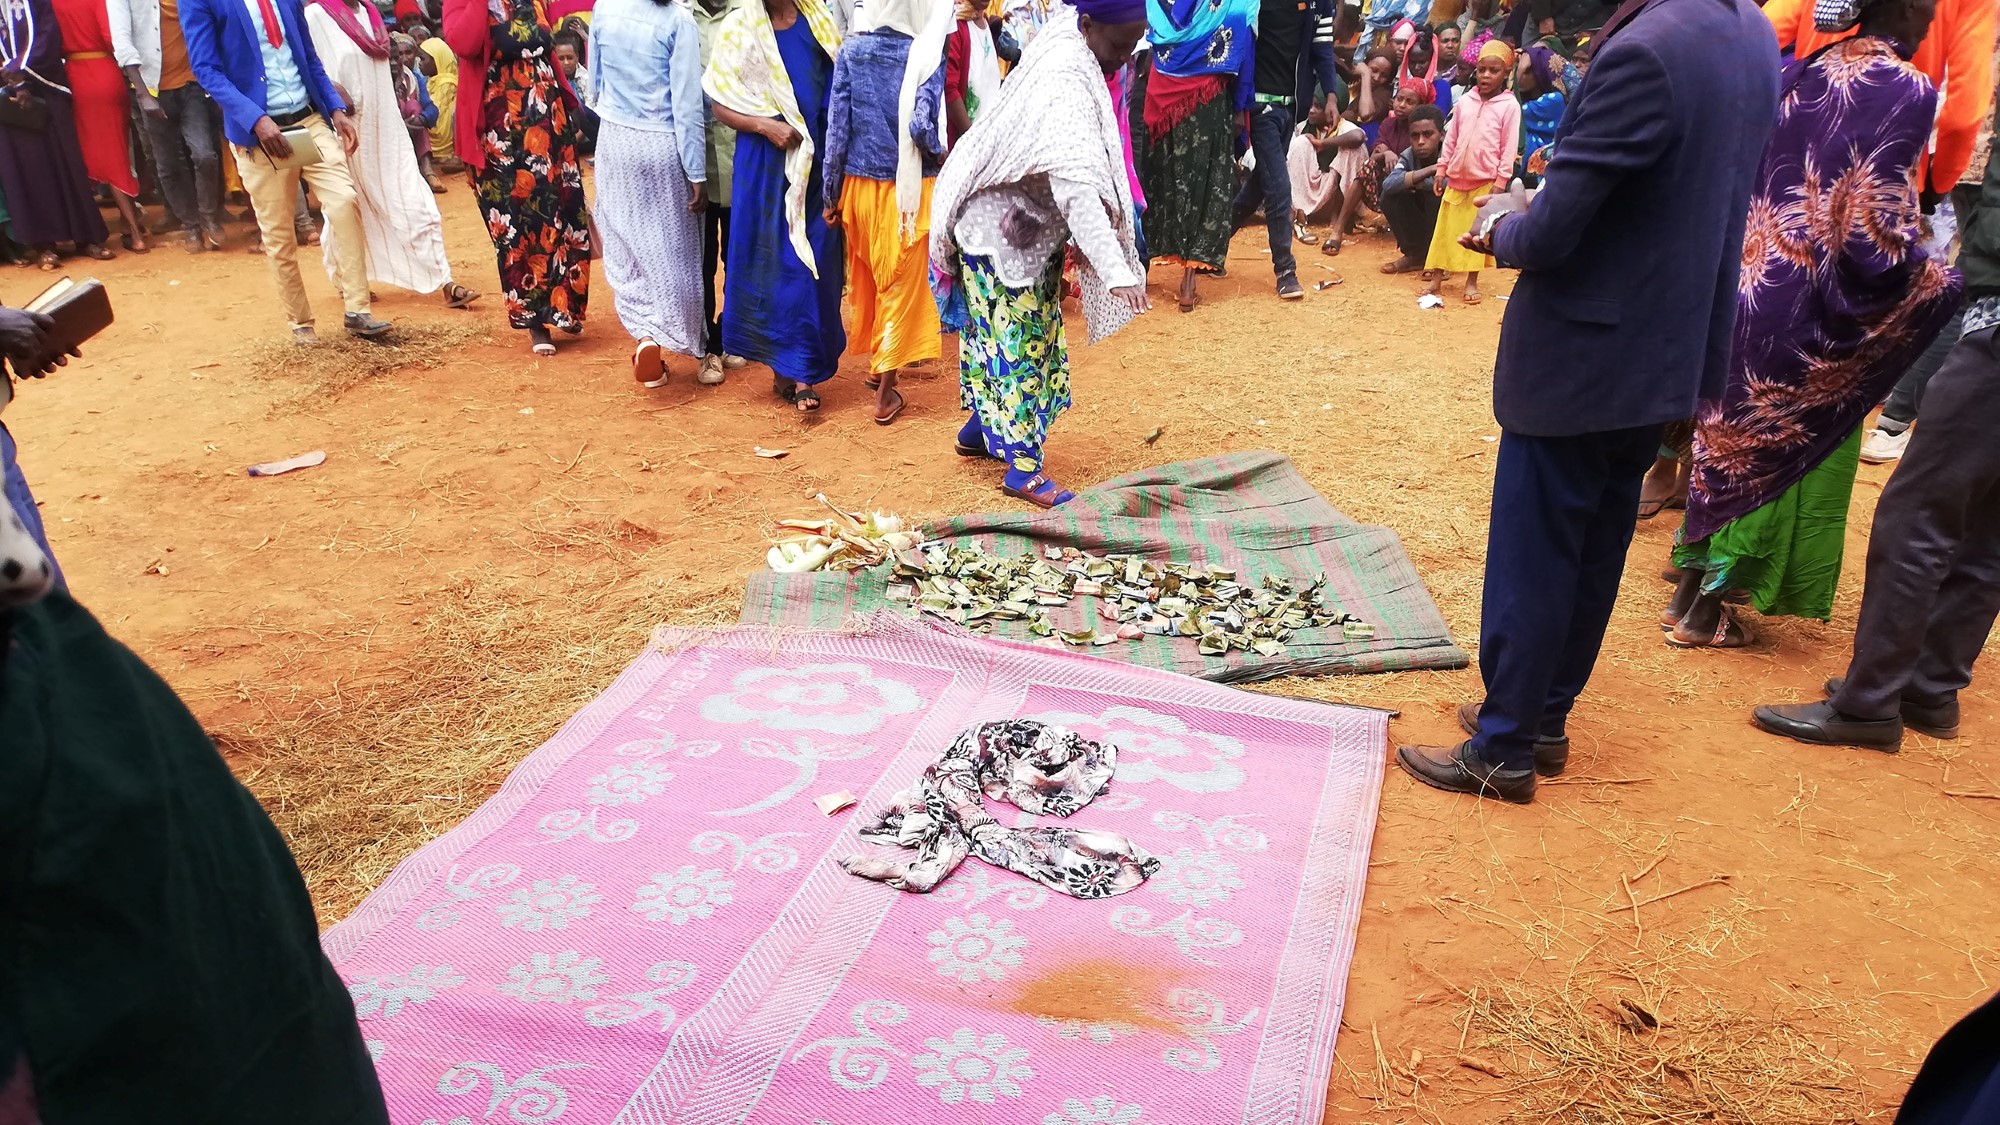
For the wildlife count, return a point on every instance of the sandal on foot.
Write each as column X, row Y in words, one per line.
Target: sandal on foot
column 964, row 450
column 1400, row 265
column 1729, row 633
column 784, row 388
column 806, row 400
column 1473, row 297
column 882, row 419
column 49, row 260
column 96, row 252
column 1331, row 246
column 135, row 247
column 1041, row 492
column 457, row 296
column 647, row 367
column 539, row 342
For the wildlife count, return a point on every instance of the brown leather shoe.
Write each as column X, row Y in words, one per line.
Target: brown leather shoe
column 1821, row 725
column 1458, row 770
column 1551, row 751
column 1940, row 721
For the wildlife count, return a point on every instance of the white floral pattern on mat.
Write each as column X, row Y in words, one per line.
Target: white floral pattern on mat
column 765, row 854
column 975, row 947
column 630, row 1007
column 550, row 904
column 1156, row 747
column 805, row 755
column 555, row 978
column 480, row 882
column 972, row 885
column 1103, row 1034
column 1193, row 878
column 1204, row 1019
column 531, row 1099
column 853, row 1063
column 835, row 698
column 684, row 895
column 1100, row 1110
column 1222, row 832
column 384, row 997
column 629, row 783
column 1189, row 934
column 969, row 1067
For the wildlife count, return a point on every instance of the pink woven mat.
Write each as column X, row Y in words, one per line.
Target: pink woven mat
column 648, row 923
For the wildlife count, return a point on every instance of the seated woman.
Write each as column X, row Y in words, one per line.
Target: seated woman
column 1328, row 164
column 1541, row 82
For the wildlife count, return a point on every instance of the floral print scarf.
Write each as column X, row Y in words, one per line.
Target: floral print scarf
column 1038, row 768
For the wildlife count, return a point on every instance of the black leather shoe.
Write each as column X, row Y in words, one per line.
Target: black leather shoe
column 1551, row 750
column 365, row 326
column 1940, row 721
column 1820, row 724
column 1458, row 770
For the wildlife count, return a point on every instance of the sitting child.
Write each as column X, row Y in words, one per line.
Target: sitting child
column 1407, row 200
column 1328, row 163
column 413, row 103
column 1480, row 146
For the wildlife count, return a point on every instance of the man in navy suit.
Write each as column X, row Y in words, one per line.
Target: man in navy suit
column 256, row 59
column 1622, row 316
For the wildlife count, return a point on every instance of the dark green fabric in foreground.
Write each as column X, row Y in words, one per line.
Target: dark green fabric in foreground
column 1251, row 511
column 159, row 961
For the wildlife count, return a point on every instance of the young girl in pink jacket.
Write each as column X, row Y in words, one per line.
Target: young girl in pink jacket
column 1480, row 146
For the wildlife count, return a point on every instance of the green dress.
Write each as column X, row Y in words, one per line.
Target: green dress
column 159, row 959
column 1787, row 553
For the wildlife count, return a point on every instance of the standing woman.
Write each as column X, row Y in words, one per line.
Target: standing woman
column 1043, row 167
column 399, row 212
column 884, row 141
column 768, row 78
column 1837, row 297
column 1195, row 99
column 42, row 172
column 517, row 135
column 442, row 84
column 652, row 162
column 103, row 110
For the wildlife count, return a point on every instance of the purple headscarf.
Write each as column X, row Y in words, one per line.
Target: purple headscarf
column 1111, row 11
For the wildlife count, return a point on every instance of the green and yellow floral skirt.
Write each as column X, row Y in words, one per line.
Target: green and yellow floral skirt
column 1013, row 364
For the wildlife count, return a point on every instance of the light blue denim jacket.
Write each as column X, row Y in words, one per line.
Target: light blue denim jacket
column 645, row 73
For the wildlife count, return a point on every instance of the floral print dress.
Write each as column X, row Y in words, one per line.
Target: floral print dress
column 531, row 190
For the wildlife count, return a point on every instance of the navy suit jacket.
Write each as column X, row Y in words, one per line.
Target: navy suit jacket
column 1629, row 255
column 222, row 49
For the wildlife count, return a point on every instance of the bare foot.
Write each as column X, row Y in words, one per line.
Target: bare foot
column 1404, row 264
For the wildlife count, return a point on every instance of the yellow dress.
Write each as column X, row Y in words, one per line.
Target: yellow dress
column 443, row 87
column 888, row 275
column 1456, row 215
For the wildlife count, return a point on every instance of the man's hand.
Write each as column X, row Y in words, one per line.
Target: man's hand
column 780, row 134
column 150, row 105
column 350, row 137
column 271, row 139
column 1492, row 209
column 24, row 335
column 1134, row 297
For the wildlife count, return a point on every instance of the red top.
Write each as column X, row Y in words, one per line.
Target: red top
column 468, row 31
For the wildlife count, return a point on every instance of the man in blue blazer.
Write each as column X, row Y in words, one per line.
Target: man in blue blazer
column 1622, row 317
column 256, row 59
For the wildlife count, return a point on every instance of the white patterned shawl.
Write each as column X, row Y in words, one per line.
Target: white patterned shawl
column 1054, row 117
column 746, row 74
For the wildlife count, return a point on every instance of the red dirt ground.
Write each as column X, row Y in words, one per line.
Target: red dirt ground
column 1858, row 912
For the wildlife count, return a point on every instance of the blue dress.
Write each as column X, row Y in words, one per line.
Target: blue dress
column 773, row 311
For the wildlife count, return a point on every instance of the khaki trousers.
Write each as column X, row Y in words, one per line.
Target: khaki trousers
column 274, row 194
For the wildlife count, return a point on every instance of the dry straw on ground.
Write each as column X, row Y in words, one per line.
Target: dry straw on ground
column 340, row 362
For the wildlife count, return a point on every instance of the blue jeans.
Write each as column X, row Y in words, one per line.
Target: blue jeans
column 186, row 156
column 1270, row 138
column 22, row 501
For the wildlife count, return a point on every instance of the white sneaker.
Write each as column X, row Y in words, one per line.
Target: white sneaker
column 710, row 373
column 732, row 362
column 1881, row 447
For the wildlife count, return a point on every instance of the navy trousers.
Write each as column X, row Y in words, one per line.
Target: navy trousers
column 1959, row 1083
column 1563, row 513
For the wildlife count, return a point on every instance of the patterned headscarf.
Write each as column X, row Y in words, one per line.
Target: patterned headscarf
column 1836, row 15
column 1424, row 92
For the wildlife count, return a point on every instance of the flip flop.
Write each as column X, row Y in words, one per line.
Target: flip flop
column 458, row 296
column 784, row 388
column 1650, row 508
column 885, row 419
column 1472, row 298
column 126, row 239
column 806, row 400
column 97, row 253
column 647, row 367
column 1330, row 247
column 964, row 450
column 1729, row 633
column 1041, row 492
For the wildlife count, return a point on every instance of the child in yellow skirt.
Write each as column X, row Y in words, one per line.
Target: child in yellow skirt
column 1480, row 146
